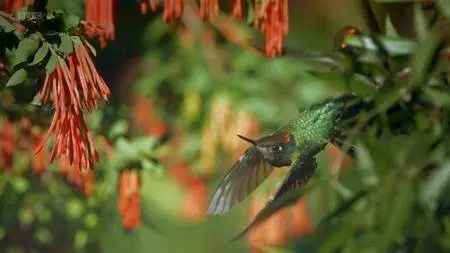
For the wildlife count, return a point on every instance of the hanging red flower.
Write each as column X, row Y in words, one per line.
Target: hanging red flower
column 209, row 9
column 275, row 25
column 193, row 208
column 236, row 9
column 13, row 5
column 101, row 14
column 39, row 161
column 129, row 203
column 7, row 145
column 71, row 89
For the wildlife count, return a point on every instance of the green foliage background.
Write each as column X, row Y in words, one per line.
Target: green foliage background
column 395, row 197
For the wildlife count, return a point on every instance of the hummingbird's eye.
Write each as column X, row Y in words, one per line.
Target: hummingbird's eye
column 276, row 148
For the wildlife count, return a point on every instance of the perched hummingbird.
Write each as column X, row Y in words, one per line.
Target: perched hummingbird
column 295, row 144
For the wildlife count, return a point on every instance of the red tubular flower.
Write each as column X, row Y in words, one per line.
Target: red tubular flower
column 173, row 9
column 194, row 205
column 334, row 154
column 38, row 163
column 236, row 10
column 179, row 172
column 300, row 222
column 71, row 89
column 275, row 25
column 146, row 118
column 209, row 9
column 13, row 5
column 101, row 13
column 7, row 145
column 129, row 205
column 256, row 236
column 153, row 4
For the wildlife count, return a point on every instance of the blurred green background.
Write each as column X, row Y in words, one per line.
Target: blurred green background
column 169, row 88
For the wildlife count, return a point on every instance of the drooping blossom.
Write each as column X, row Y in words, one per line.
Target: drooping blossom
column 193, row 208
column 236, row 9
column 270, row 233
column 13, row 5
column 334, row 154
column 275, row 25
column 71, row 89
column 100, row 20
column 7, row 145
column 179, row 171
column 173, row 9
column 146, row 118
column 145, row 4
column 300, row 221
column 129, row 202
column 209, row 9
column 39, row 161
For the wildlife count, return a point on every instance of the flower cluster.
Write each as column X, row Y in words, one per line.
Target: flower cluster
column 71, row 88
column 13, row 5
column 129, row 203
column 7, row 145
column 271, row 16
column 275, row 25
column 100, row 20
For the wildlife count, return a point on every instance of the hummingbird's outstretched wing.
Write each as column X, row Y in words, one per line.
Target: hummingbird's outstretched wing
column 301, row 171
column 244, row 177
column 288, row 193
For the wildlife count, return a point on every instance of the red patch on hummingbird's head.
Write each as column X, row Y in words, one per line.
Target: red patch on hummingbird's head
column 287, row 138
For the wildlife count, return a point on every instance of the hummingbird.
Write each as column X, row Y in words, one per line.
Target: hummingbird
column 296, row 144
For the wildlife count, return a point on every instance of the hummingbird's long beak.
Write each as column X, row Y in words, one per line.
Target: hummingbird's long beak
column 247, row 139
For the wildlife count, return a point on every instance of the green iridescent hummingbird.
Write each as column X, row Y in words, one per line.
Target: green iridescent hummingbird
column 295, row 144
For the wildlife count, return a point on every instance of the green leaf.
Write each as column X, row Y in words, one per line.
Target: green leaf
column 26, row 216
column 119, row 128
column 74, row 209
column 36, row 100
column 81, row 239
column 420, row 21
column 43, row 235
column 425, row 58
column 66, row 46
column 400, row 209
column 70, row 21
column 91, row 220
column 395, row 46
column 20, row 184
column 344, row 207
column 26, row 48
column 434, row 186
column 17, row 78
column 6, row 26
column 40, row 54
column 390, row 30
column 45, row 215
column 51, row 64
column 444, row 7
column 144, row 144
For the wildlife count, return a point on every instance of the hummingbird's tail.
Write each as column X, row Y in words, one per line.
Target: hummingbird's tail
column 351, row 106
column 399, row 117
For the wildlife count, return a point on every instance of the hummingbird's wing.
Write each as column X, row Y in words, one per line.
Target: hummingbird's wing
column 288, row 194
column 244, row 177
column 301, row 171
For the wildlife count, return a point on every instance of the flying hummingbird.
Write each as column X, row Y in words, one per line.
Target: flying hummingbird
column 295, row 144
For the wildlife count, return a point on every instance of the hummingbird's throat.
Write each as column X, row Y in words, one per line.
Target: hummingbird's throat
column 247, row 139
